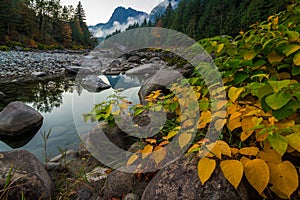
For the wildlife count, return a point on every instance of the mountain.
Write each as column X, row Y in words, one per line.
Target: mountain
column 120, row 20
column 160, row 9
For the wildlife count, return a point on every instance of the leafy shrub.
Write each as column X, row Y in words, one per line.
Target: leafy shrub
column 4, row 48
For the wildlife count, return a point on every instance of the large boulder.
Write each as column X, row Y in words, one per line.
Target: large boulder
column 142, row 70
column 180, row 181
column 118, row 183
column 93, row 83
column 159, row 81
column 74, row 70
column 18, row 119
column 25, row 176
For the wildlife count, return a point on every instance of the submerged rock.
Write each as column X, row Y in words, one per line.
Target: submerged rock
column 145, row 69
column 18, row 119
column 27, row 176
column 39, row 74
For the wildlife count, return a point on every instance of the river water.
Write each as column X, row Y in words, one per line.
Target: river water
column 62, row 103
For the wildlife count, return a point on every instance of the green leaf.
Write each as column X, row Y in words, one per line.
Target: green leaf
column 292, row 35
column 291, row 49
column 296, row 71
column 294, row 141
column 278, row 143
column 296, row 59
column 278, row 85
column 240, row 77
column 278, row 100
column 234, row 63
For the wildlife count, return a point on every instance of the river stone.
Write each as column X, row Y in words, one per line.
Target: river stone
column 2, row 95
column 159, row 81
column 141, row 70
column 117, row 184
column 73, row 70
column 28, row 176
column 134, row 59
column 180, row 181
column 93, row 83
column 39, row 74
column 18, row 119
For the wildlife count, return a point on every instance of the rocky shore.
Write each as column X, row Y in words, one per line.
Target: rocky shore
column 23, row 65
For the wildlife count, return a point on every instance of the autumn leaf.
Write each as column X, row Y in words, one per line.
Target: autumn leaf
column 224, row 147
column 257, row 173
column 205, row 118
column 233, row 171
column 270, row 156
column 147, row 151
column 206, row 167
column 234, row 93
column 284, row 179
column 184, row 139
column 219, row 124
column 159, row 155
column 132, row 159
column 273, row 57
column 249, row 151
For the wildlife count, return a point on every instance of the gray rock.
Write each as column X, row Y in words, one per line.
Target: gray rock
column 155, row 60
column 93, row 83
column 39, row 74
column 145, row 69
column 159, row 81
column 115, row 64
column 73, row 70
column 134, row 59
column 28, row 176
column 18, row 119
column 118, row 183
column 131, row 196
column 180, row 181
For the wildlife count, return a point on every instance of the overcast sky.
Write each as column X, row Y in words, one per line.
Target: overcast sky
column 99, row 11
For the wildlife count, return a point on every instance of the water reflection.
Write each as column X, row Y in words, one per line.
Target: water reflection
column 53, row 99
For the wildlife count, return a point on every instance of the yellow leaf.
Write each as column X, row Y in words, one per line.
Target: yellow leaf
column 187, row 123
column 214, row 150
column 123, row 106
column 172, row 133
column 152, row 141
column 219, row 124
column 184, row 139
column 233, row 108
column 147, row 151
column 159, row 155
column 234, row 121
column 163, row 143
column 234, row 150
column 244, row 136
column 233, row 171
column 206, row 167
column 249, row 151
column 273, row 57
column 195, row 147
column 284, row 179
column 294, row 140
column 257, row 173
column 204, row 119
column 224, row 147
column 249, row 55
column 235, row 115
column 234, row 93
column 248, row 123
column 220, row 48
column 132, row 159
column 270, row 156
column 296, row 59
column 220, row 104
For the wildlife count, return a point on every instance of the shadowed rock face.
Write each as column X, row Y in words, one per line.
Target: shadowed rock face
column 180, row 181
column 28, row 176
column 18, row 119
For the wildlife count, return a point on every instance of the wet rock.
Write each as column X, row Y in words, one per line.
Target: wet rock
column 73, row 70
column 155, row 60
column 93, row 83
column 39, row 74
column 150, row 68
column 134, row 59
column 28, row 176
column 115, row 64
column 2, row 95
column 159, row 81
column 118, row 183
column 180, row 181
column 18, row 119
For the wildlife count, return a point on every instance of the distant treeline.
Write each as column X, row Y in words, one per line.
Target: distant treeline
column 207, row 18
column 43, row 24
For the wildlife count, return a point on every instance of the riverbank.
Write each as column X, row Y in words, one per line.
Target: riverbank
column 18, row 66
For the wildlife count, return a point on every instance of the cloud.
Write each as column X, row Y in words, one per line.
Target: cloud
column 101, row 32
